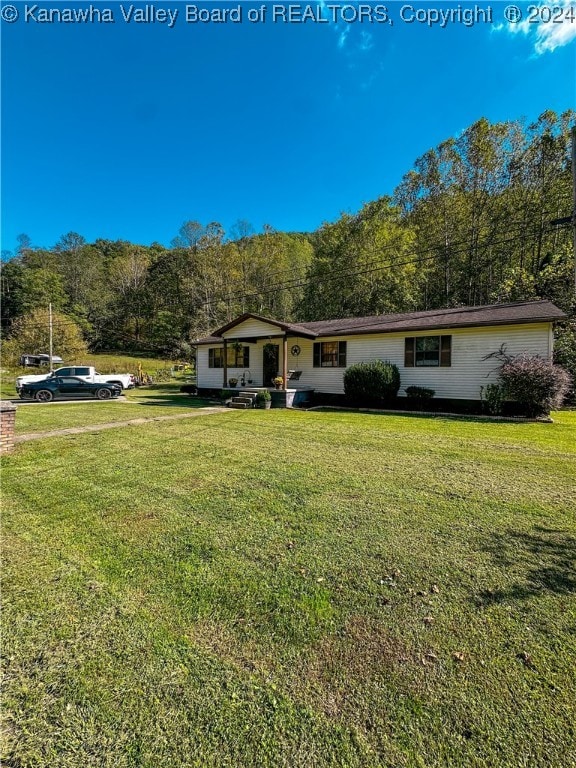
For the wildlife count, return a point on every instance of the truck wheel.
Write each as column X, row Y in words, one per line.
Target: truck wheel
column 44, row 395
column 104, row 393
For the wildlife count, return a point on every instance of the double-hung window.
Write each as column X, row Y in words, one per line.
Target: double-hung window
column 330, row 354
column 427, row 351
column 237, row 357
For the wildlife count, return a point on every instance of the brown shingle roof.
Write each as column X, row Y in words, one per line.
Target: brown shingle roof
column 458, row 317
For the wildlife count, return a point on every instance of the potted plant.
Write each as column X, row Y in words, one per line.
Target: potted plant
column 278, row 382
column 232, row 382
column 263, row 399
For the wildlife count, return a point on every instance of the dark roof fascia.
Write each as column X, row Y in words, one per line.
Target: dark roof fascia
column 262, row 319
column 208, row 340
column 299, row 332
column 252, row 340
column 290, row 328
column 241, row 319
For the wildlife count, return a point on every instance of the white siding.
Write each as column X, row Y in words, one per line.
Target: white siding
column 252, row 328
column 212, row 378
column 462, row 379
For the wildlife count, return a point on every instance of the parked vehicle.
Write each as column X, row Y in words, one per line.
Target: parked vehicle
column 67, row 387
column 37, row 361
column 85, row 372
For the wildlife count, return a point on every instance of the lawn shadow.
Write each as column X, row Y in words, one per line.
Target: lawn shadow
column 471, row 418
column 171, row 399
column 547, row 556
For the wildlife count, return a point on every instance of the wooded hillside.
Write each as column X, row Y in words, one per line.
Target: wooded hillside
column 469, row 224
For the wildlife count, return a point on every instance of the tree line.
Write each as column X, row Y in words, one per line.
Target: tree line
column 469, row 224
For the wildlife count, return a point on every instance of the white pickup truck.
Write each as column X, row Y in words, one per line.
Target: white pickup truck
column 85, row 372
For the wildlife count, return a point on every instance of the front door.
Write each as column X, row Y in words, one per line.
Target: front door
column 271, row 361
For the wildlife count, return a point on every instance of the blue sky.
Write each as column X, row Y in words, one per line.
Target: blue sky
column 126, row 130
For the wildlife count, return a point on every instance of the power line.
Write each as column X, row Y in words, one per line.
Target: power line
column 297, row 283
column 435, row 251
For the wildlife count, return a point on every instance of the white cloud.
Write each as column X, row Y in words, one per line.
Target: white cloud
column 553, row 29
column 342, row 31
column 366, row 41
column 342, row 36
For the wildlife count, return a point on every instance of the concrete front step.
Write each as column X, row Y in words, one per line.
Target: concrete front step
column 242, row 400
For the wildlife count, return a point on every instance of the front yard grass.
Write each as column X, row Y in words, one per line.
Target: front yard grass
column 292, row 589
column 142, row 402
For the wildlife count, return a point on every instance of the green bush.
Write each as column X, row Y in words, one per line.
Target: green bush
column 262, row 397
column 493, row 396
column 372, row 383
column 163, row 375
column 535, row 383
column 421, row 396
column 565, row 355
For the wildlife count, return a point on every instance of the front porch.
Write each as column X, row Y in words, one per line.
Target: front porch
column 242, row 397
column 253, row 354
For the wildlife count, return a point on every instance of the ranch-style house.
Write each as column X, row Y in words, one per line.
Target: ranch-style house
column 443, row 349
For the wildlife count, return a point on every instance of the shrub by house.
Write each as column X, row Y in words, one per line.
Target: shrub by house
column 536, row 384
column 372, row 383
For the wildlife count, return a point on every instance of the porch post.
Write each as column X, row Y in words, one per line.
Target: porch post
column 225, row 384
column 285, row 361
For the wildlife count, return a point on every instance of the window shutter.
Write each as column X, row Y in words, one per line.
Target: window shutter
column 210, row 358
column 445, row 351
column 246, row 363
column 342, row 354
column 409, row 344
column 316, row 361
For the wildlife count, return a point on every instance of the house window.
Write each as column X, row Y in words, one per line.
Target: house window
column 216, row 358
column 330, row 354
column 236, row 357
column 428, row 351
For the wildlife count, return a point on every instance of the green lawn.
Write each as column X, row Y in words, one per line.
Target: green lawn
column 142, row 402
column 292, row 589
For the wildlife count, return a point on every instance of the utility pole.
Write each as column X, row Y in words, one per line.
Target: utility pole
column 571, row 219
column 50, row 336
column 574, row 199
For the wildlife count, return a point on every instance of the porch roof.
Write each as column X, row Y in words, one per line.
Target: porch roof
column 285, row 329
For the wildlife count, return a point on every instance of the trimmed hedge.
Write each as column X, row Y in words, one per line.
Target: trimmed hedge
column 420, row 396
column 372, row 383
